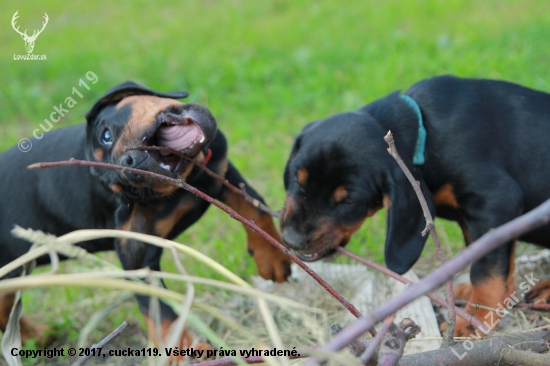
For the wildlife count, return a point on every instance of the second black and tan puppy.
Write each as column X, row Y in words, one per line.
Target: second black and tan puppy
column 61, row 200
column 479, row 149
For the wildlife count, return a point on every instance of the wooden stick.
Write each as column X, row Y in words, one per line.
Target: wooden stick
column 240, row 191
column 73, row 162
column 430, row 226
column 115, row 333
column 474, row 252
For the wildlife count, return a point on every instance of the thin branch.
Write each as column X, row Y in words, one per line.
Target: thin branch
column 73, row 162
column 432, row 296
column 240, row 191
column 115, row 333
column 475, row 251
column 534, row 306
column 373, row 346
column 430, row 226
column 508, row 349
column 358, row 346
column 515, row 357
column 393, row 345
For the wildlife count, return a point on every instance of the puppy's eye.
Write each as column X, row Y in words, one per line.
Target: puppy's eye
column 106, row 137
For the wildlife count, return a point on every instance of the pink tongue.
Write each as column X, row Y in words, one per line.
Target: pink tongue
column 179, row 137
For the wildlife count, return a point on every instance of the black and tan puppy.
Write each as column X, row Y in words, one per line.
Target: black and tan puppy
column 479, row 149
column 61, row 200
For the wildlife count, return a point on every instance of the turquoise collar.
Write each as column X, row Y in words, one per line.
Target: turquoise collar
column 418, row 158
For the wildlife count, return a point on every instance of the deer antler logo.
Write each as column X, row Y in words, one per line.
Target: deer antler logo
column 29, row 40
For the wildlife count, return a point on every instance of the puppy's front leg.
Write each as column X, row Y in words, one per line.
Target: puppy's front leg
column 135, row 254
column 29, row 331
column 132, row 217
column 272, row 263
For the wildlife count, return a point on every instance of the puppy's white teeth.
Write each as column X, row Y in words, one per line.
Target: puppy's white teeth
column 164, row 166
column 202, row 140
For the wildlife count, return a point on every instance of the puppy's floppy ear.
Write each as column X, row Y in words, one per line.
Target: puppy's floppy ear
column 293, row 152
column 405, row 222
column 128, row 89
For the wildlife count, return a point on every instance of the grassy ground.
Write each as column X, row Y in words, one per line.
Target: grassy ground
column 265, row 68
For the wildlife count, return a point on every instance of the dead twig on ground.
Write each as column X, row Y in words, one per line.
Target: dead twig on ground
column 393, row 345
column 534, row 306
column 475, row 251
column 115, row 333
column 509, row 349
column 357, row 346
column 385, row 348
column 375, row 344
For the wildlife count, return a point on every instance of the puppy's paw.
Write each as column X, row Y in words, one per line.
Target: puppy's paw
column 40, row 333
column 462, row 328
column 272, row 264
column 208, row 350
column 185, row 342
column 539, row 294
column 443, row 327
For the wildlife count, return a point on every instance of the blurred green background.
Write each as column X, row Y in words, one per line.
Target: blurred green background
column 265, row 69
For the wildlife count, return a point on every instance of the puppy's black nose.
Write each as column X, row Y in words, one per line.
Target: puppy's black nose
column 128, row 161
column 293, row 239
column 133, row 159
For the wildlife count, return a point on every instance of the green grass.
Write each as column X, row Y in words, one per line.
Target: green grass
column 265, row 69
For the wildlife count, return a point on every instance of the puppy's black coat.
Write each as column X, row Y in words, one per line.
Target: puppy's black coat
column 486, row 162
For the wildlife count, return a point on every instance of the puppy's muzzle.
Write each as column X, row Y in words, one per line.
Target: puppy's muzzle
column 293, row 239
